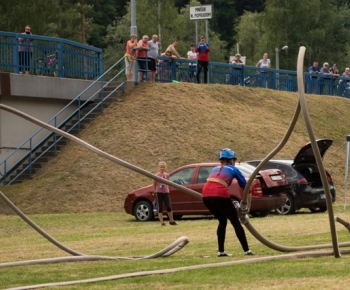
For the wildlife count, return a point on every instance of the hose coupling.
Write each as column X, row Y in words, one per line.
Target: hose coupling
column 244, row 207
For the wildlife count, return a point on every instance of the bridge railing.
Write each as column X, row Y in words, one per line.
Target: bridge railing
column 184, row 70
column 49, row 56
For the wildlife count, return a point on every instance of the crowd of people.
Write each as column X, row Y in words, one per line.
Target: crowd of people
column 324, row 80
column 146, row 53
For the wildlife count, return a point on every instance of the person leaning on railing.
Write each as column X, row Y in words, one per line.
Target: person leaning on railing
column 25, row 50
column 129, row 57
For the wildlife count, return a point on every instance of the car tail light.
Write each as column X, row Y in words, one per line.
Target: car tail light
column 330, row 179
column 257, row 189
column 302, row 181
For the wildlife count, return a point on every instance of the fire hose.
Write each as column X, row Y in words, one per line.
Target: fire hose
column 181, row 242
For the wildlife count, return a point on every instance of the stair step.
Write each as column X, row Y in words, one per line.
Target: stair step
column 87, row 107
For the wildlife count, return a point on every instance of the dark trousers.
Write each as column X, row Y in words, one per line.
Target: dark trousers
column 24, row 60
column 202, row 64
column 223, row 209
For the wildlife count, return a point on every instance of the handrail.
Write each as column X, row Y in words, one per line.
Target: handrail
column 54, row 118
column 72, row 59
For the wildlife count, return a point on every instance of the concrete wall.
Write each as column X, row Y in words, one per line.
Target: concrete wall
column 39, row 96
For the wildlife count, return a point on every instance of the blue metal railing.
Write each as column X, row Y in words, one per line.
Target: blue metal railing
column 184, row 70
column 49, row 56
column 29, row 149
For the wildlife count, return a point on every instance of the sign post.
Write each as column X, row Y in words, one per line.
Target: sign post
column 203, row 12
column 346, row 167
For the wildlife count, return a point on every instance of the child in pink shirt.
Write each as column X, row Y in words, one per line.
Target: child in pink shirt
column 162, row 192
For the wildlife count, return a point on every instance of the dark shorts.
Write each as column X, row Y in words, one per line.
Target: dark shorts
column 163, row 198
column 142, row 63
column 152, row 64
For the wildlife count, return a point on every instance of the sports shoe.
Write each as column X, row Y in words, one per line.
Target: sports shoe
column 223, row 254
column 249, row 253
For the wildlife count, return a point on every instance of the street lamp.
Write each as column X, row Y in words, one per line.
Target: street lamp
column 133, row 27
column 277, row 50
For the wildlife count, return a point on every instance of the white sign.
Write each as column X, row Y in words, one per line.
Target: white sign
column 200, row 12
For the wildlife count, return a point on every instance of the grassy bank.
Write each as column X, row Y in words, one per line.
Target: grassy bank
column 179, row 124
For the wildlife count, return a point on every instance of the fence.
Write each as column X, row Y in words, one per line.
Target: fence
column 42, row 55
column 71, row 112
column 184, row 70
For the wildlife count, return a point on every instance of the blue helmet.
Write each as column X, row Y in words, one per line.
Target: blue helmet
column 227, row 153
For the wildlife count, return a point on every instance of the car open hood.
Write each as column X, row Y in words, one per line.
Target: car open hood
column 306, row 154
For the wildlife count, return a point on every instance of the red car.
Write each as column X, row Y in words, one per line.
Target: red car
column 267, row 191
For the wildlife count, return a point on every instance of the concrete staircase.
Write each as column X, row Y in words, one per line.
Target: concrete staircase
column 49, row 149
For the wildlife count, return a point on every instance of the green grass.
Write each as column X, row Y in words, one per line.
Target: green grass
column 78, row 196
column 120, row 235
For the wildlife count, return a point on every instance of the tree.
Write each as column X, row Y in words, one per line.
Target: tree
column 249, row 30
column 169, row 23
column 319, row 25
column 314, row 24
column 16, row 14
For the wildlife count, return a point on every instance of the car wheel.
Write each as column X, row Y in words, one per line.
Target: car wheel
column 316, row 209
column 143, row 211
column 262, row 213
column 288, row 207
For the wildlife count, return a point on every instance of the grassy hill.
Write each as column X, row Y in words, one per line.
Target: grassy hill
column 179, row 124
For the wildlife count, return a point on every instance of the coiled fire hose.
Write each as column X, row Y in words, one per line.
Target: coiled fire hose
column 177, row 245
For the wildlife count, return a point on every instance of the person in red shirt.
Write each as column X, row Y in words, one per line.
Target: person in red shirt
column 141, row 54
column 203, row 50
column 217, row 199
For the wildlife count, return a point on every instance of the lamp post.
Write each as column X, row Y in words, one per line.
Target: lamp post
column 133, row 27
column 277, row 50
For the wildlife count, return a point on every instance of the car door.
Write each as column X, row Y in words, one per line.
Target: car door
column 180, row 201
column 200, row 180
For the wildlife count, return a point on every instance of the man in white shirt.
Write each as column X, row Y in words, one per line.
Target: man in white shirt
column 152, row 56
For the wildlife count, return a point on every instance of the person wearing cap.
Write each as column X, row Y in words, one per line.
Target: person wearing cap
column 217, row 199
column 236, row 72
column 192, row 55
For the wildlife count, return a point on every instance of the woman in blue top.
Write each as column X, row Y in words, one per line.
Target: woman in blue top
column 217, row 199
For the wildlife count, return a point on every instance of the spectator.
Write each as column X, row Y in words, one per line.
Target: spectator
column 172, row 48
column 141, row 54
column 263, row 63
column 164, row 66
column 162, row 192
column 344, row 83
column 335, row 73
column 203, row 50
column 129, row 57
column 153, row 56
column 192, row 55
column 217, row 199
column 334, row 70
column 326, row 81
column 312, row 86
column 346, row 73
column 25, row 50
column 236, row 72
